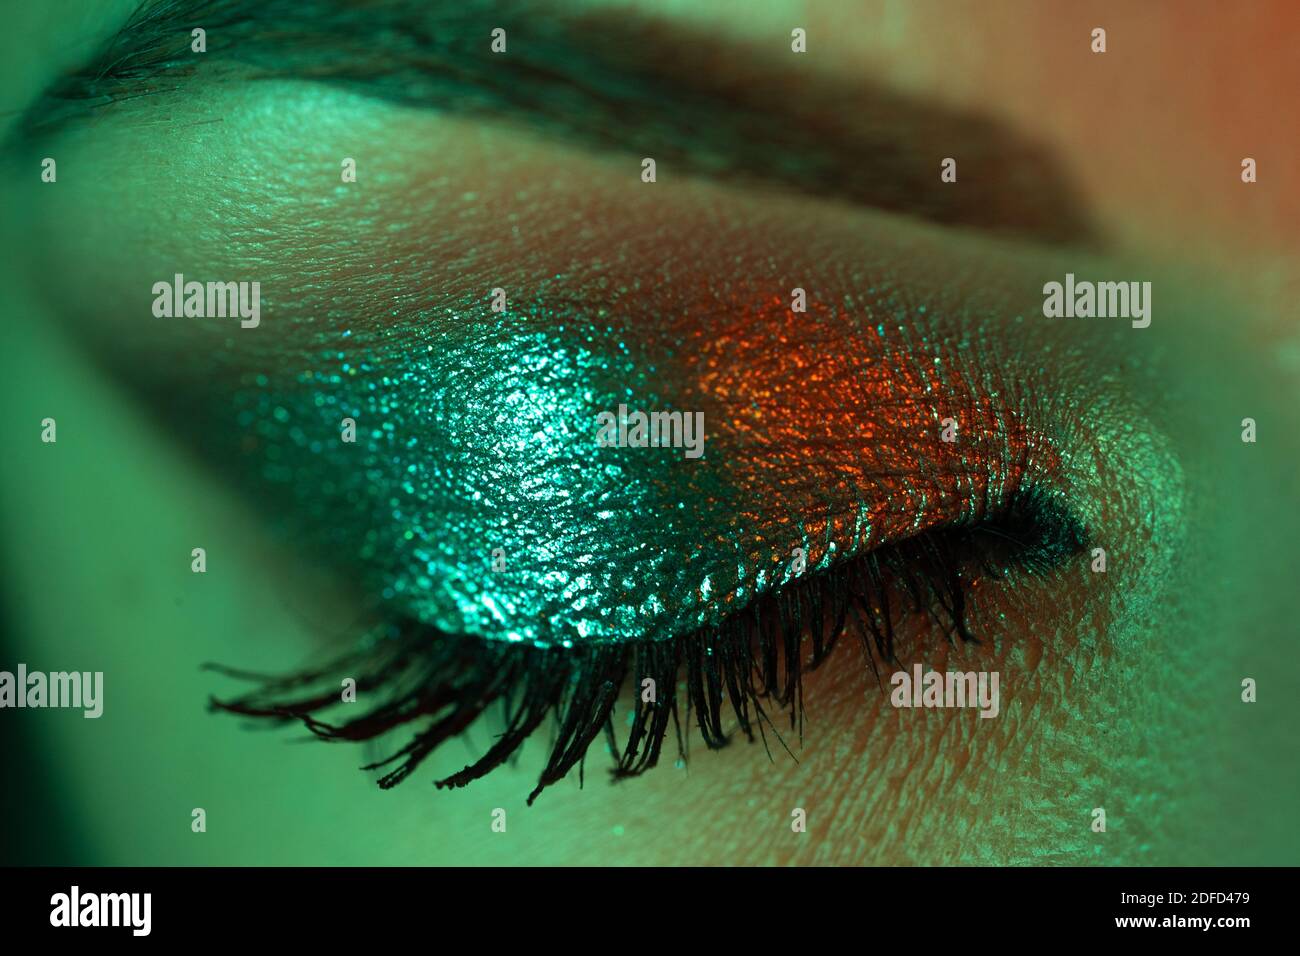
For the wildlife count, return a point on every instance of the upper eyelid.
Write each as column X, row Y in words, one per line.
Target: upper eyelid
column 613, row 82
column 716, row 251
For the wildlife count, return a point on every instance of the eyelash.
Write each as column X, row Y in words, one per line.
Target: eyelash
column 753, row 657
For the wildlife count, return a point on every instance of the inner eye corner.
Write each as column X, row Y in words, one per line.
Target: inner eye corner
column 1041, row 526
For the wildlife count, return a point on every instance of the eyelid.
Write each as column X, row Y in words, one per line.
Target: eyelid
column 735, row 677
column 418, row 360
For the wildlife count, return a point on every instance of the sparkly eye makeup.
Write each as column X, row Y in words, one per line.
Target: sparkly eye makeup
column 423, row 414
column 742, row 676
column 641, row 427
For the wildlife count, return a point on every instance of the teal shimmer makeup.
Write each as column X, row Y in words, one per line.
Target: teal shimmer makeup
column 445, row 455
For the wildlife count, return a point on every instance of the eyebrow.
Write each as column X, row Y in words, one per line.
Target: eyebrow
column 692, row 100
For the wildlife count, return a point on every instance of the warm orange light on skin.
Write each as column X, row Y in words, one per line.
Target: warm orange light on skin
column 1136, row 717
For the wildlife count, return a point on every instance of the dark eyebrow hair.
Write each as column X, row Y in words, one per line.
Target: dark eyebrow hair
column 692, row 100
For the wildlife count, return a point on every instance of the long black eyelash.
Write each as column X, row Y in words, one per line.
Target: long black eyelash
column 749, row 668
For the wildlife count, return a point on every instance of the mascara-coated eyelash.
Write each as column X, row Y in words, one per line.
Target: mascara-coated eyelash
column 751, row 664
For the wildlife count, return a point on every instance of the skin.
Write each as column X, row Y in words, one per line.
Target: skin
column 1118, row 691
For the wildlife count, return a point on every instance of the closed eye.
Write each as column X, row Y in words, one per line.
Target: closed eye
column 825, row 426
column 742, row 676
